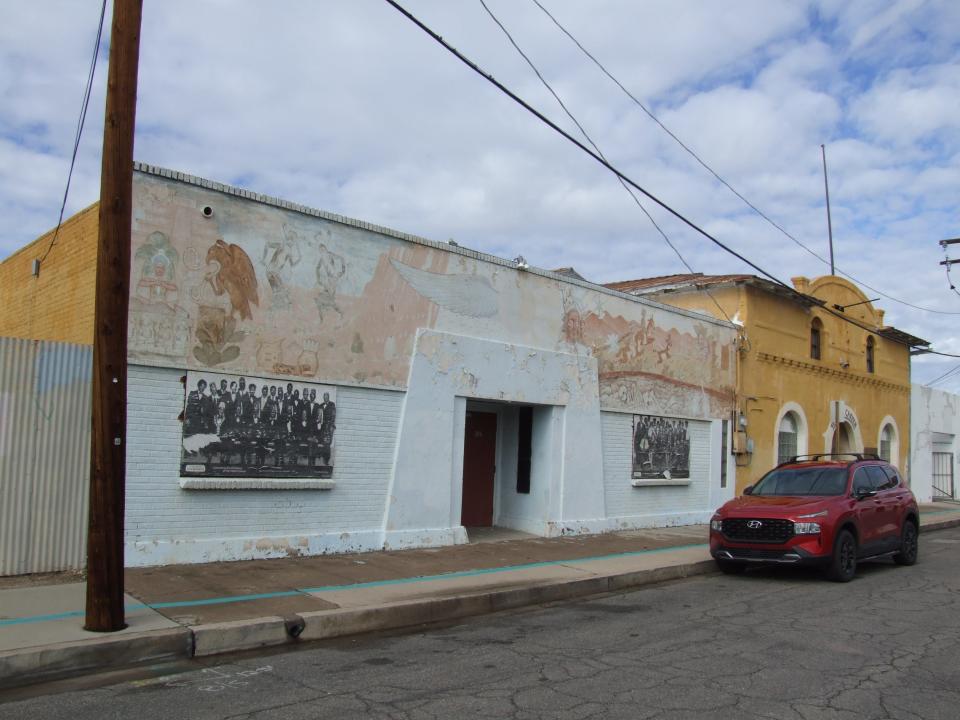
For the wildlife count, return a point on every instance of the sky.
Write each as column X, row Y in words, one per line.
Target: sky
column 346, row 106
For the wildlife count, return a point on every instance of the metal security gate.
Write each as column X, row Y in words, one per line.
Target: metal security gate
column 943, row 476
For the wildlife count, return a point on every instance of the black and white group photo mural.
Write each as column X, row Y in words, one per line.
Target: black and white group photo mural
column 242, row 426
column 661, row 447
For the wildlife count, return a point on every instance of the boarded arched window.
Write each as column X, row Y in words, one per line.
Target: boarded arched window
column 816, row 338
column 886, row 442
column 870, row 358
column 787, row 438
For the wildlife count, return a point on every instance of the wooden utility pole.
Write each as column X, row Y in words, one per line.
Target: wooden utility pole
column 108, row 439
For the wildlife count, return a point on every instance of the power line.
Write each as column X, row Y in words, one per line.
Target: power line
column 80, row 123
column 596, row 147
column 716, row 175
column 941, row 354
column 556, row 128
column 947, row 374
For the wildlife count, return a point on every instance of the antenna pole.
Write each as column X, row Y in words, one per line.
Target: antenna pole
column 826, row 188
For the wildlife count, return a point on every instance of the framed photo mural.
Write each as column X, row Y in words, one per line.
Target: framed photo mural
column 661, row 447
column 237, row 426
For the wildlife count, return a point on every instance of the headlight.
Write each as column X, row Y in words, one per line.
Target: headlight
column 806, row 528
column 822, row 513
column 716, row 525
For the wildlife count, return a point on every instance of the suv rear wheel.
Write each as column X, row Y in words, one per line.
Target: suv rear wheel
column 843, row 563
column 909, row 545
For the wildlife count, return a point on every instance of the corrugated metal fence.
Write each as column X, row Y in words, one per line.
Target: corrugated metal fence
column 44, row 455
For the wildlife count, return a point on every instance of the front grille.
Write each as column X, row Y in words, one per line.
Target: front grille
column 769, row 531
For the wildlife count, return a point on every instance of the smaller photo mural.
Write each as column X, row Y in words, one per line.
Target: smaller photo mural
column 239, row 426
column 661, row 447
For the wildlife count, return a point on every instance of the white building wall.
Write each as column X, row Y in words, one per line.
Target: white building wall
column 166, row 524
column 408, row 331
column 657, row 506
column 934, row 427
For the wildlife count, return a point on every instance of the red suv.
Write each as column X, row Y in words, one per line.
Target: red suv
column 817, row 509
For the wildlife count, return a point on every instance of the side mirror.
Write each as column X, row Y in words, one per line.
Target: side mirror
column 748, row 490
column 864, row 493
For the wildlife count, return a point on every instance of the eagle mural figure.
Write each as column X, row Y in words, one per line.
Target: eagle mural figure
column 234, row 276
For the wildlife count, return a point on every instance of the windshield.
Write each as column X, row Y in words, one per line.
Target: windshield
column 819, row 480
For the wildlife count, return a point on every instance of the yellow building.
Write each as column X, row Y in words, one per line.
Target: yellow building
column 56, row 302
column 809, row 381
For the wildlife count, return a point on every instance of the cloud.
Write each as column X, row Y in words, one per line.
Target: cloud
column 350, row 108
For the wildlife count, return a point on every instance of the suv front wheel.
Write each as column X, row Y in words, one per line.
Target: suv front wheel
column 843, row 563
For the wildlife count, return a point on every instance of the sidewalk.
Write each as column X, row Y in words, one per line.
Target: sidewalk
column 181, row 611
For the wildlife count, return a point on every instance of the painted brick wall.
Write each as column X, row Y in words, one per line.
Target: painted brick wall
column 57, row 305
column 158, row 509
column 651, row 505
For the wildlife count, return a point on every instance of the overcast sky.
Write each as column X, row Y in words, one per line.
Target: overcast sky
column 346, row 106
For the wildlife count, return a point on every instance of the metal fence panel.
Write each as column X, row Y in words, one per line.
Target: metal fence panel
column 44, row 455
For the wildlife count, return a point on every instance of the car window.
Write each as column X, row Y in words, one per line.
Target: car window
column 879, row 477
column 862, row 481
column 818, row 480
column 892, row 474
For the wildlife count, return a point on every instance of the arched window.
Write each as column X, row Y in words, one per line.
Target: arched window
column 887, row 437
column 816, row 338
column 870, row 363
column 787, row 438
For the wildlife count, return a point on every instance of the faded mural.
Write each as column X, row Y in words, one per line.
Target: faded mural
column 661, row 447
column 264, row 291
column 237, row 426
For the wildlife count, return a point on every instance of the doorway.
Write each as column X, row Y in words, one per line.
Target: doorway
column 479, row 468
column 843, row 441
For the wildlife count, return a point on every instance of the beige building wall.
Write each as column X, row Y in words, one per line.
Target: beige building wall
column 57, row 304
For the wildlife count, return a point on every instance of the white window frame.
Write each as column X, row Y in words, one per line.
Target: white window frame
column 888, row 421
column 800, row 420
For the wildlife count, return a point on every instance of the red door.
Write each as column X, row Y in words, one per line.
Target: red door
column 479, row 465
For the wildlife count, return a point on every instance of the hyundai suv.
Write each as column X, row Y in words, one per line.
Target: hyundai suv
column 827, row 510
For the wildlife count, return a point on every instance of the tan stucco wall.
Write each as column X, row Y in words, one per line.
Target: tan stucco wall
column 57, row 305
column 776, row 372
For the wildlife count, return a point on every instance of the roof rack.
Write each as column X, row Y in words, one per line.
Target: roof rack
column 813, row 457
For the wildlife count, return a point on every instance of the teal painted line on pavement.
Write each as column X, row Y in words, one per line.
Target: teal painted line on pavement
column 354, row 586
column 41, row 618
column 223, row 600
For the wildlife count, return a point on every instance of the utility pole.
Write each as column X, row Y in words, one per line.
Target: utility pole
column 108, row 438
column 826, row 188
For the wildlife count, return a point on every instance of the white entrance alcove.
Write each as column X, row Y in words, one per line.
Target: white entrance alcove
column 424, row 497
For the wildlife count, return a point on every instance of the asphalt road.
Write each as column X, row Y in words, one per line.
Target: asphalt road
column 770, row 644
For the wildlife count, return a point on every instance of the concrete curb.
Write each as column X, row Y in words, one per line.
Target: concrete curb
column 34, row 665
column 217, row 638
column 938, row 525
column 51, row 662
